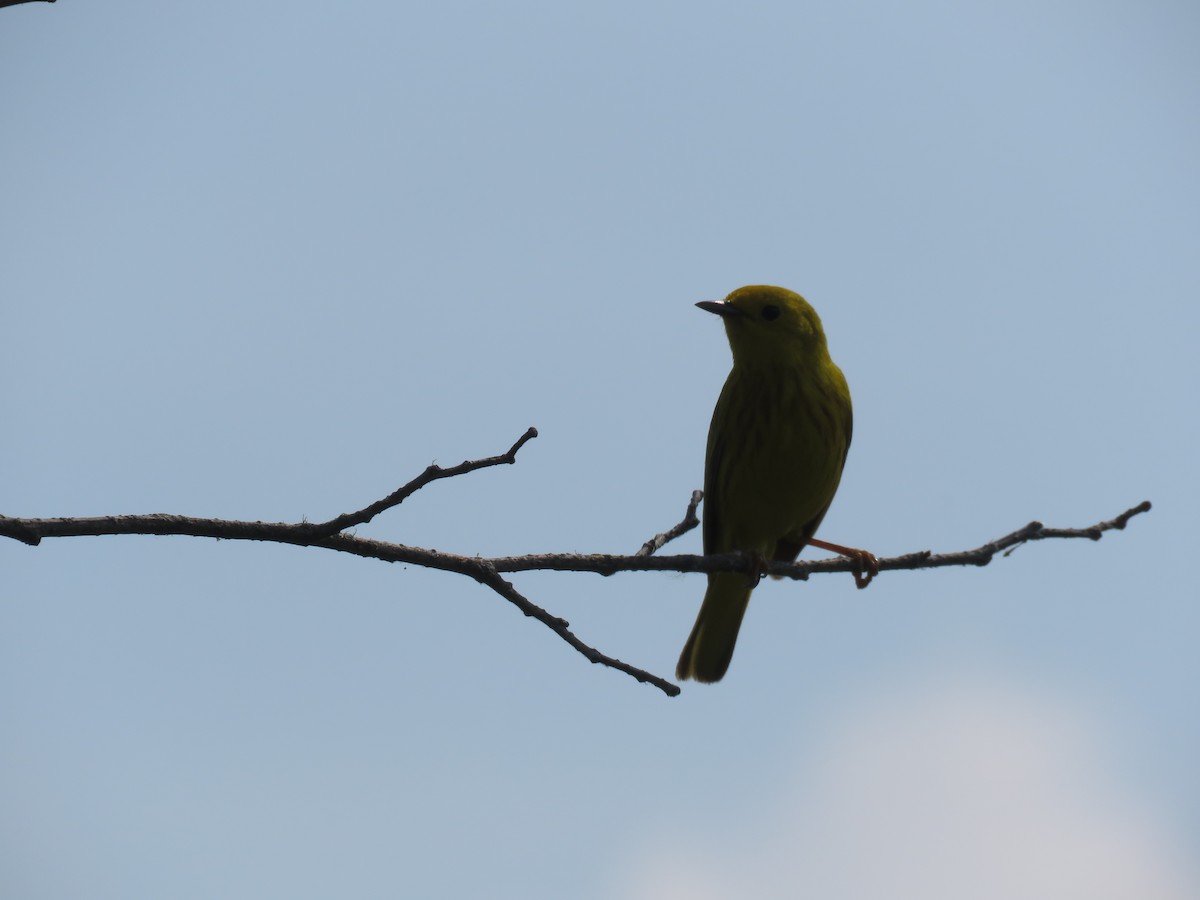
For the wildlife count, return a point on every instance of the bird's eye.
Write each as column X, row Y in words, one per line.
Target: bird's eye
column 770, row 313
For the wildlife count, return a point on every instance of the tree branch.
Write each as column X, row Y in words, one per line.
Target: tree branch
column 431, row 473
column 607, row 564
column 688, row 522
column 331, row 536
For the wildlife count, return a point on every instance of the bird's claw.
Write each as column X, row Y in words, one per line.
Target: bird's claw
column 866, row 567
column 758, row 569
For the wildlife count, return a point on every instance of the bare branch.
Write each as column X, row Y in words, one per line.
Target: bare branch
column 687, row 524
column 431, row 473
column 331, row 536
column 4, row 3
column 562, row 629
column 608, row 564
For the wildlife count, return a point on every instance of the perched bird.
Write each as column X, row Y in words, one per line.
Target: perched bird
column 776, row 447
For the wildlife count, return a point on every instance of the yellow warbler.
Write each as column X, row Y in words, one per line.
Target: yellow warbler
column 776, row 447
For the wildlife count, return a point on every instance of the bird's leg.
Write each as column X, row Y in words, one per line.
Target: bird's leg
column 866, row 565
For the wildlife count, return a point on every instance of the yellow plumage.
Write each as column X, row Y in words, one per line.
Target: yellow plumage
column 776, row 447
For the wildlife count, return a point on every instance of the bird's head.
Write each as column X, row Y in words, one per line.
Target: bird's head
column 768, row 324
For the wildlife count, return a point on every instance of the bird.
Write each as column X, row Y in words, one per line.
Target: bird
column 777, row 445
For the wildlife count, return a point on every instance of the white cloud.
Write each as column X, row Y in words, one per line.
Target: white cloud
column 975, row 793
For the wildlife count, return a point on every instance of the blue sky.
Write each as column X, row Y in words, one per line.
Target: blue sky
column 268, row 262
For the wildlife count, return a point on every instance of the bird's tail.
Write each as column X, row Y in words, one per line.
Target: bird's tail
column 709, row 647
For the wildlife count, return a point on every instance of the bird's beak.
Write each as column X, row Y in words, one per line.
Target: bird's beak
column 720, row 307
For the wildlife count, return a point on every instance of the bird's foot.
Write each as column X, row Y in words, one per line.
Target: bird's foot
column 758, row 568
column 866, row 565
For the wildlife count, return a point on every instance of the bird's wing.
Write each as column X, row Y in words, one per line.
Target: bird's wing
column 713, row 524
column 789, row 547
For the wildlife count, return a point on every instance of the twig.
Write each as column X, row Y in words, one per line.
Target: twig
column 431, row 473
column 561, row 627
column 688, row 522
